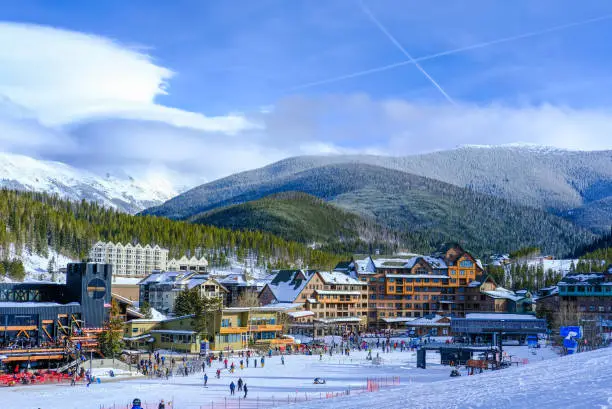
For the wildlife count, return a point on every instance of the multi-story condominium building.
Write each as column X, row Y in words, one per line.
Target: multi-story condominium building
column 188, row 264
column 160, row 289
column 337, row 301
column 403, row 289
column 589, row 295
column 130, row 260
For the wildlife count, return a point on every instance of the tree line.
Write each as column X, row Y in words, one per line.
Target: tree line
column 39, row 222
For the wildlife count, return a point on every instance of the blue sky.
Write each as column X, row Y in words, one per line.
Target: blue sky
column 266, row 72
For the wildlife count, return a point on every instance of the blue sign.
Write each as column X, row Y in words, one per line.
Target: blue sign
column 203, row 347
column 565, row 332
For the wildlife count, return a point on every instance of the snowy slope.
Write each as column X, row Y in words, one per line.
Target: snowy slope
column 574, row 381
column 128, row 195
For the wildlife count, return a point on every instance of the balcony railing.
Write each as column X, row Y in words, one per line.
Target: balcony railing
column 233, row 330
column 266, row 327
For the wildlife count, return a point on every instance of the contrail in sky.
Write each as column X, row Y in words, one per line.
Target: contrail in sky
column 450, row 52
column 386, row 32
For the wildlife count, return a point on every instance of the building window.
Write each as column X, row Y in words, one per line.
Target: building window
column 466, row 263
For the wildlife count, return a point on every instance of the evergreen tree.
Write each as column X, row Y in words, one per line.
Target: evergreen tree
column 16, row 270
column 145, row 309
column 111, row 338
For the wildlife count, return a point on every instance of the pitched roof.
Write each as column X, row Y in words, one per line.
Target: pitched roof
column 288, row 284
column 336, row 277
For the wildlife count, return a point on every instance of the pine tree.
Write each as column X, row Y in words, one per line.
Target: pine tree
column 111, row 339
column 145, row 309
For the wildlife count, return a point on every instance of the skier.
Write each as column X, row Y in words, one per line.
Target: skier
column 225, row 362
column 161, row 405
column 232, row 388
column 245, row 390
column 247, row 362
column 241, row 364
column 136, row 404
column 263, row 361
column 205, row 379
column 282, row 360
column 218, row 373
column 255, row 362
column 240, row 384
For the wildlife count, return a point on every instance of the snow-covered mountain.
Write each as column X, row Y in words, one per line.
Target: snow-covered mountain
column 127, row 194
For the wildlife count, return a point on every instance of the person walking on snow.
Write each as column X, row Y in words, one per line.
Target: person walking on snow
column 240, row 384
column 136, row 404
column 245, row 390
column 205, row 379
column 263, row 361
column 232, row 388
column 161, row 405
column 282, row 359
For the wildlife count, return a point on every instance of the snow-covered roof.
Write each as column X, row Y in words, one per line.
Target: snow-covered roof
column 172, row 331
column 300, row 314
column 582, row 279
column 499, row 316
column 118, row 280
column 287, row 285
column 135, row 312
column 501, row 292
column 435, row 262
column 398, row 319
column 430, row 322
column 279, row 306
column 394, row 262
column 137, row 338
column 336, row 277
column 159, row 277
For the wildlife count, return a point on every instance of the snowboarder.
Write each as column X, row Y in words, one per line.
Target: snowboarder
column 205, row 379
column 245, row 390
column 232, row 388
column 240, row 384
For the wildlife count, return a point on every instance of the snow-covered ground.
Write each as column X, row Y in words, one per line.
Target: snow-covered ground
column 36, row 266
column 574, row 381
column 275, row 384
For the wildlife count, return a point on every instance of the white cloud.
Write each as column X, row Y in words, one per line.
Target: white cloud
column 399, row 127
column 90, row 102
column 65, row 76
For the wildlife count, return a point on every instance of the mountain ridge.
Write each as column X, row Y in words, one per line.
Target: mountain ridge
column 555, row 180
column 24, row 173
column 430, row 212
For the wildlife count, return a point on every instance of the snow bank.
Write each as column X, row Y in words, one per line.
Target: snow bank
column 574, row 381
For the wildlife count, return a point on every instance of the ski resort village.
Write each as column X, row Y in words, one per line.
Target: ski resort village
column 332, row 204
column 421, row 331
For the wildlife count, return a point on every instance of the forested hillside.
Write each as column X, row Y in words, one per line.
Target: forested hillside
column 548, row 179
column 428, row 212
column 40, row 221
column 302, row 217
